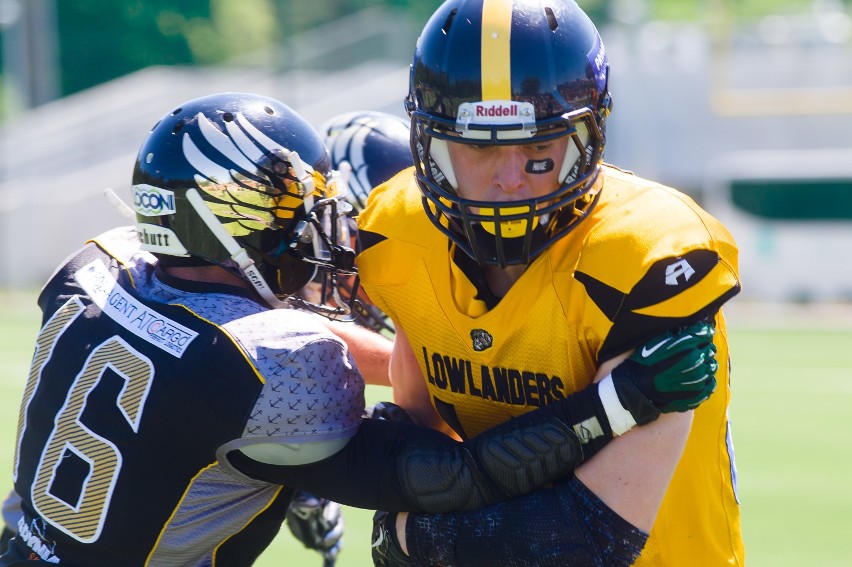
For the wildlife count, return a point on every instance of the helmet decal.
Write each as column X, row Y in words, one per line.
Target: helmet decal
column 160, row 239
column 257, row 204
column 224, row 143
column 487, row 113
column 599, row 62
column 367, row 148
column 496, row 49
column 242, row 181
column 152, row 201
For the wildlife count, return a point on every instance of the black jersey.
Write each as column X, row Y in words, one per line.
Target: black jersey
column 138, row 388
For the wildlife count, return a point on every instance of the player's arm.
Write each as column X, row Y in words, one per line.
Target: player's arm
column 371, row 350
column 409, row 386
column 401, row 466
column 631, row 474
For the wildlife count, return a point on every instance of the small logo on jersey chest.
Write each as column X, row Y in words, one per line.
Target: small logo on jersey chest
column 482, row 340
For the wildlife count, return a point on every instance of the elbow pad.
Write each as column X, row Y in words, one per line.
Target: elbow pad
column 544, row 445
column 510, row 459
column 437, row 481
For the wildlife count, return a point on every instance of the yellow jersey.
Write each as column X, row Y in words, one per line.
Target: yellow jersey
column 646, row 259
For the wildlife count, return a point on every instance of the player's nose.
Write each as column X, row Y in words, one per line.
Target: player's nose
column 509, row 174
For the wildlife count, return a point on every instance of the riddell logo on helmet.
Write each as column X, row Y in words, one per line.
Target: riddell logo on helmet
column 476, row 119
column 496, row 110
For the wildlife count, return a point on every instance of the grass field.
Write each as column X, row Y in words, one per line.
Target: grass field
column 792, row 423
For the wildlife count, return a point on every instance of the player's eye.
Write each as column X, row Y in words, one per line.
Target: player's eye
column 540, row 147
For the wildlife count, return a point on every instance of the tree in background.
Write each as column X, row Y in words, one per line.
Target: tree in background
column 103, row 39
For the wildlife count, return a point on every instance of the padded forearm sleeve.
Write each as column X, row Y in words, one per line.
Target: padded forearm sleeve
column 402, row 467
column 567, row 525
column 522, row 455
column 512, row 459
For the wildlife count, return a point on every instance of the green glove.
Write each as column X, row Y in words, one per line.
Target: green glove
column 673, row 372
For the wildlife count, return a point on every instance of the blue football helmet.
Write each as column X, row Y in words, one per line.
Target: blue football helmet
column 516, row 72
column 367, row 148
column 242, row 181
column 372, row 146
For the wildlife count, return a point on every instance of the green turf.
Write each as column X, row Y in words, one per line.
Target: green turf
column 791, row 408
column 792, row 430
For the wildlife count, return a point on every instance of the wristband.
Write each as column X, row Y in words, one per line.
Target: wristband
column 620, row 420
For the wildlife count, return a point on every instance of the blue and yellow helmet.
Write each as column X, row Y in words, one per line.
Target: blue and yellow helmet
column 508, row 72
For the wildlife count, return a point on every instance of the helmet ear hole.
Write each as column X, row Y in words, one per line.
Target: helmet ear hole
column 572, row 152
column 439, row 151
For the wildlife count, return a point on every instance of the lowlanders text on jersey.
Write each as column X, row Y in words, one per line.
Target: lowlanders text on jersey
column 506, row 385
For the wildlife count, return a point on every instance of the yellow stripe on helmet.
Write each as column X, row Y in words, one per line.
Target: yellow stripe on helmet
column 496, row 60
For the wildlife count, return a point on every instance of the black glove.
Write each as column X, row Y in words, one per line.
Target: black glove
column 673, row 372
column 386, row 549
column 317, row 523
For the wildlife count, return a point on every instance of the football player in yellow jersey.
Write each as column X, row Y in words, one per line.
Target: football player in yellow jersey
column 518, row 268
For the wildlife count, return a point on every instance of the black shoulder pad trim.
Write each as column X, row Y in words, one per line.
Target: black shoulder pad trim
column 608, row 299
column 633, row 329
column 367, row 239
column 670, row 277
column 665, row 279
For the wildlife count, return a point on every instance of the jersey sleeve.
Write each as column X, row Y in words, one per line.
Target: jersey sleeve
column 658, row 262
column 312, row 391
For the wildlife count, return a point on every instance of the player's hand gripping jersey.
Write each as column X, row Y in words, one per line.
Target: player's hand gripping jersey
column 647, row 259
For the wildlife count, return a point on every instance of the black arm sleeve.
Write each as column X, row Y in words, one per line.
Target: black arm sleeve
column 403, row 467
column 565, row 525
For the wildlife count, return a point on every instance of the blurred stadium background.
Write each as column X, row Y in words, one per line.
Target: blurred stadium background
column 746, row 105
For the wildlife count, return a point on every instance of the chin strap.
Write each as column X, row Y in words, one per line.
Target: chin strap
column 238, row 253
